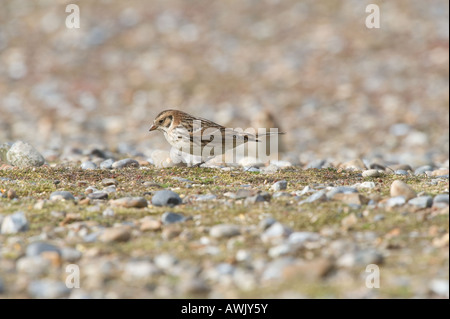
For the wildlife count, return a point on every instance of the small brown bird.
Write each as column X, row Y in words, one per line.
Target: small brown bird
column 200, row 137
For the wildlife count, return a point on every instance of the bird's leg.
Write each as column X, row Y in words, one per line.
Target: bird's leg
column 198, row 164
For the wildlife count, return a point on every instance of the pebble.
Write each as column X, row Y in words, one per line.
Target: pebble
column 183, row 180
column 48, row 289
column 24, row 155
column 401, row 172
column 171, row 218
column 129, row 202
column 138, row 270
column 165, row 261
column 274, row 269
column 441, row 198
column 440, row 287
column 369, row 185
column 109, row 182
column 116, row 234
column 244, row 193
column 11, row 194
column 318, row 196
column 360, row 258
column 166, row 198
column 276, row 233
column 107, row 164
column 108, row 213
column 150, row 224
column 298, row 238
column 266, row 223
column 88, row 165
column 98, row 195
column 278, row 186
column 258, row 198
column 421, row 201
column 206, row 197
column 352, row 198
column 423, row 169
column 224, row 231
column 395, row 201
column 440, row 172
column 33, row 266
column 128, row 162
column 281, row 194
column 70, row 254
column 317, row 164
column 400, row 188
column 14, row 223
column 356, row 164
column 371, row 173
column 37, row 248
column 341, row 190
column 61, row 195
column 280, row 250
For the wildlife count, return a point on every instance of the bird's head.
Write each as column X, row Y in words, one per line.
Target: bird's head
column 163, row 121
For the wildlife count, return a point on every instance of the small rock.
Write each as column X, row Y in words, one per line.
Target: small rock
column 440, row 287
column 258, row 198
column 266, row 223
column 440, row 172
column 395, row 201
column 353, row 198
column 244, row 193
column 171, row 218
column 360, row 258
column 108, row 213
column 194, row 286
column 166, row 198
column 281, row 194
column 423, row 169
column 24, row 155
column 88, row 165
column 70, row 254
column 224, row 231
column 48, row 288
column 341, row 190
column 356, row 164
column 275, row 233
column 150, row 224
column 139, row 270
column 318, row 164
column 349, row 221
column 206, row 197
column 371, row 173
column 421, row 201
column 128, row 202
column 14, row 223
column 369, row 185
column 278, row 186
column 61, row 195
column 128, row 162
column 107, row 164
column 37, row 248
column 400, row 188
column 441, row 198
column 109, row 182
column 33, row 266
column 319, row 196
column 401, row 172
column 4, row 148
column 98, row 195
column 298, row 238
column 116, row 234
column 164, row 261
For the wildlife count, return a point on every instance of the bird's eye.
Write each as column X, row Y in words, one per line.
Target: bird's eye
column 160, row 121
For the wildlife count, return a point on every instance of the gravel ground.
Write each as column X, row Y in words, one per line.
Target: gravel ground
column 361, row 177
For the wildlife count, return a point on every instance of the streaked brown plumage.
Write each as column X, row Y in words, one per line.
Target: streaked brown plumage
column 198, row 136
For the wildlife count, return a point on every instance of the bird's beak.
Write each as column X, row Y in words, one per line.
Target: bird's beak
column 152, row 128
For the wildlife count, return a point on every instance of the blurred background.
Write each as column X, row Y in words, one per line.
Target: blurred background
column 312, row 68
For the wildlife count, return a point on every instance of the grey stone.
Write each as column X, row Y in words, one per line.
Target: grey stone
column 441, row 198
column 109, row 182
column 395, row 201
column 48, row 288
column 61, row 195
column 166, row 198
column 301, row 237
column 316, row 164
column 423, row 169
column 340, row 190
column 281, row 194
column 206, row 197
column 24, row 155
column 278, row 186
column 107, row 164
column 70, row 254
column 88, row 165
column 243, row 193
column 14, row 223
column 318, row 196
column 266, row 223
column 258, row 198
column 128, row 162
column 275, row 233
column 33, row 266
column 401, row 172
column 37, row 248
column 171, row 218
column 360, row 258
column 224, row 231
column 164, row 261
column 421, row 202
column 4, row 148
column 371, row 173
column 137, row 202
column 141, row 269
column 98, row 195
